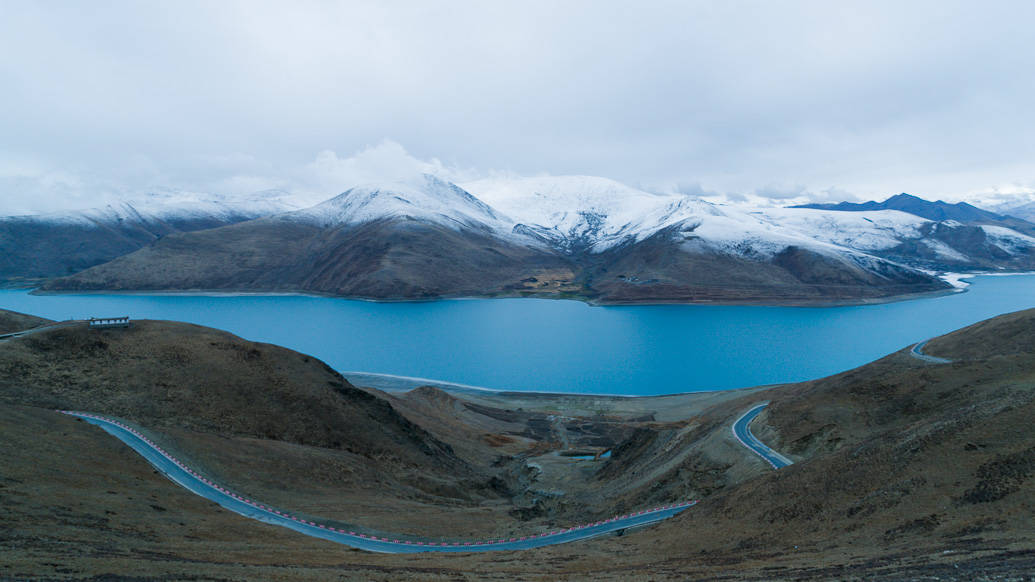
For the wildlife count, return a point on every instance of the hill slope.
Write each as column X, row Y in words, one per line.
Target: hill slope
column 904, row 470
column 899, row 461
column 12, row 321
column 173, row 375
column 42, row 246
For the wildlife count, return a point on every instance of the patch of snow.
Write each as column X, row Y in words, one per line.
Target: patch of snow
column 1009, row 240
column 748, row 233
column 957, row 279
column 863, row 231
column 945, row 251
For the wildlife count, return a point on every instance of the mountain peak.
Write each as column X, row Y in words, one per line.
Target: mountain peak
column 940, row 211
column 426, row 197
column 578, row 212
column 904, row 197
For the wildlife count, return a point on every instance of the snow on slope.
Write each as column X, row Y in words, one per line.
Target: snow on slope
column 874, row 230
column 570, row 213
column 588, row 213
column 172, row 206
column 425, row 198
column 764, row 232
column 1007, row 239
column 585, row 211
column 191, row 205
column 598, row 214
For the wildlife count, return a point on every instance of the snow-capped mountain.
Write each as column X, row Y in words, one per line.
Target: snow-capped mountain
column 1021, row 205
column 585, row 213
column 426, row 198
column 864, row 231
column 577, row 214
column 947, row 236
column 172, row 207
column 56, row 244
column 580, row 213
column 575, row 236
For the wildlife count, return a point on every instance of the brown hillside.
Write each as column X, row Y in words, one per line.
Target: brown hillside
column 11, row 321
column 904, row 470
column 164, row 374
column 899, row 460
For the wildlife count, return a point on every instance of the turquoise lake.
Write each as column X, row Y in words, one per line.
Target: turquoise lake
column 567, row 346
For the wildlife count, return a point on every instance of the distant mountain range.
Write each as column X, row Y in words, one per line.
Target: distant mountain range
column 936, row 211
column 1020, row 207
column 36, row 247
column 569, row 236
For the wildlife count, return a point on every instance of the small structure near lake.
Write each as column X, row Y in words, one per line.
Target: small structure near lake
column 106, row 322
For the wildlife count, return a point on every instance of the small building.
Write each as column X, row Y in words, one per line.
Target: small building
column 106, row 322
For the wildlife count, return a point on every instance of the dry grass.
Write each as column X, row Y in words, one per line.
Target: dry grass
column 11, row 321
column 906, row 470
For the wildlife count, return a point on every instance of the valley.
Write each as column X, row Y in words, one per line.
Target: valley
column 870, row 489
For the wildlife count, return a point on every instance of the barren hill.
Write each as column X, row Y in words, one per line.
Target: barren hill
column 11, row 321
column 904, row 469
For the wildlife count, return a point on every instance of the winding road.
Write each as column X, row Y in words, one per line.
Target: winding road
column 179, row 473
column 742, row 432
column 183, row 475
column 918, row 353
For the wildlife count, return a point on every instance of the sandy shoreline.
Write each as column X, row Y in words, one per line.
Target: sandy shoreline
column 662, row 407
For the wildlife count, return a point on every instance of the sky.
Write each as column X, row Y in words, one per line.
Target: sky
column 763, row 100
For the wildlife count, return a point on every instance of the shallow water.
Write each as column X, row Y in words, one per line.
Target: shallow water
column 567, row 346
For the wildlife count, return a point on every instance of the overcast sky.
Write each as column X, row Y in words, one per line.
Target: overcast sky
column 824, row 99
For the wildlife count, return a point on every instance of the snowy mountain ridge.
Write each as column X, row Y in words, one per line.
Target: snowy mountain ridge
column 597, row 214
column 428, row 198
column 570, row 222
column 171, row 206
column 566, row 237
column 586, row 214
column 41, row 246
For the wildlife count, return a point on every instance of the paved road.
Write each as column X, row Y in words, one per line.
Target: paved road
column 45, row 327
column 743, row 434
column 918, row 353
column 191, row 480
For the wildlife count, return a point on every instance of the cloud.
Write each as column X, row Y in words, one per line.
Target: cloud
column 387, row 161
column 693, row 189
column 32, row 187
column 835, row 194
column 781, row 192
column 924, row 96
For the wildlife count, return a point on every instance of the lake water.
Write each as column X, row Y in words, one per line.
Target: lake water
column 567, row 346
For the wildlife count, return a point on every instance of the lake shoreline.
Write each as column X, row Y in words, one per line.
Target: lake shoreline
column 807, row 303
column 397, row 384
column 562, row 347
